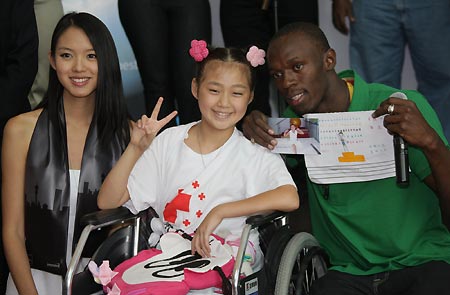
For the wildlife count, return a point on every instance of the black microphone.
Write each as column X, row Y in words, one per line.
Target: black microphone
column 401, row 153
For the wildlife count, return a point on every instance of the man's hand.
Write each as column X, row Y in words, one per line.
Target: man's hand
column 256, row 128
column 405, row 119
column 342, row 9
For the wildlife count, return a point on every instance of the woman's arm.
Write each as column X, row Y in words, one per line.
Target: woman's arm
column 114, row 192
column 16, row 140
column 283, row 198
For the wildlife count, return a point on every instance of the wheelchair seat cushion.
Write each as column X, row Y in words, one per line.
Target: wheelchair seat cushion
column 171, row 270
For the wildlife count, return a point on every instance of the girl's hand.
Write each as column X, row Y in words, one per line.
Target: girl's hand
column 200, row 242
column 146, row 129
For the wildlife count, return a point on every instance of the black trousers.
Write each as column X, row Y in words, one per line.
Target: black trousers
column 160, row 33
column 245, row 23
column 429, row 278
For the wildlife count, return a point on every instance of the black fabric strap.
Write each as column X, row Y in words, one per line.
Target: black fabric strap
column 47, row 189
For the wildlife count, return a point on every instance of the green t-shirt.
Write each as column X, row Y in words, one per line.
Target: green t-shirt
column 375, row 226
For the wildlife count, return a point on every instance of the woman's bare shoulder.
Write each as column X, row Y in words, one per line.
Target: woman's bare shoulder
column 21, row 127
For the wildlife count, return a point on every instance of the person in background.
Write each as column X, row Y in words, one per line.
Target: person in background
column 18, row 66
column 48, row 13
column 159, row 32
column 55, row 158
column 381, row 238
column 379, row 33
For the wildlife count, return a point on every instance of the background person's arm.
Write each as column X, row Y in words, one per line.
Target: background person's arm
column 18, row 68
column 342, row 10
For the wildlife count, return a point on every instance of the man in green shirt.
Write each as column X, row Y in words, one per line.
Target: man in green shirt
column 381, row 238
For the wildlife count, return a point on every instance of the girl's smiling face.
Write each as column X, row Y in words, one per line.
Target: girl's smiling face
column 75, row 63
column 223, row 94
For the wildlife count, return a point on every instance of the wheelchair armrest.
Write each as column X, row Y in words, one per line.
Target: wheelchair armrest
column 260, row 219
column 107, row 216
column 91, row 222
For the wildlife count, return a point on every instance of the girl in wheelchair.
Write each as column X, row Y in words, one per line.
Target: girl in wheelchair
column 205, row 177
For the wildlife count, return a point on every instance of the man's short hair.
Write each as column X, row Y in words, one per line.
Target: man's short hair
column 309, row 30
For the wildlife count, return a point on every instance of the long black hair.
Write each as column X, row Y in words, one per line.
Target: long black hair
column 110, row 114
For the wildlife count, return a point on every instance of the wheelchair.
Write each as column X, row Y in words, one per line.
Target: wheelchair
column 292, row 261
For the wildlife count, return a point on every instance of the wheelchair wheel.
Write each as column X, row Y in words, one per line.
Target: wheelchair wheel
column 302, row 262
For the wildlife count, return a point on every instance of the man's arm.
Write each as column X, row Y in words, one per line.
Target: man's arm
column 408, row 122
column 438, row 155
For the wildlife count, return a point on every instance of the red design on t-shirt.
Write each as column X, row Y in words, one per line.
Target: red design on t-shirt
column 186, row 222
column 195, row 184
column 180, row 202
column 199, row 213
column 201, row 196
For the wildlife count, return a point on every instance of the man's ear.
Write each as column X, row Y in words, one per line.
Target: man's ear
column 51, row 59
column 330, row 59
column 194, row 88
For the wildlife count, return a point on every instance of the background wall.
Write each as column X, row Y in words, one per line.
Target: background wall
column 106, row 10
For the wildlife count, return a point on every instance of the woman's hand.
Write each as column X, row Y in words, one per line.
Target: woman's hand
column 146, row 129
column 200, row 242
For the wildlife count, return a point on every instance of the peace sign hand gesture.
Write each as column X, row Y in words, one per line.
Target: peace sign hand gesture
column 146, row 129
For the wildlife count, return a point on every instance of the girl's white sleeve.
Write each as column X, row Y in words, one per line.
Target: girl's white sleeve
column 269, row 173
column 144, row 180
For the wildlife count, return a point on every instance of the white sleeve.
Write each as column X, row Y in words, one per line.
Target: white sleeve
column 271, row 172
column 277, row 172
column 143, row 182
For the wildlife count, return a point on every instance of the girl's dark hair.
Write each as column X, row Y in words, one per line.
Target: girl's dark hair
column 110, row 115
column 227, row 55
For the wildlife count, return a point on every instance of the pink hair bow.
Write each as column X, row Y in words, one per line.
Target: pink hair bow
column 199, row 50
column 256, row 56
column 103, row 274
